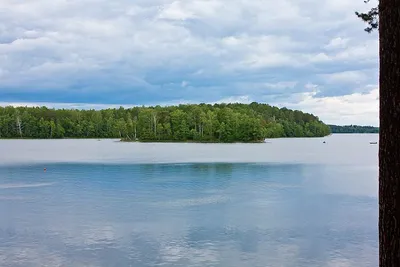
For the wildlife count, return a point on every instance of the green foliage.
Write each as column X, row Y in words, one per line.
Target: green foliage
column 371, row 18
column 193, row 123
column 353, row 129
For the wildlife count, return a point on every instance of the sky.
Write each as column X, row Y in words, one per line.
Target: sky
column 311, row 55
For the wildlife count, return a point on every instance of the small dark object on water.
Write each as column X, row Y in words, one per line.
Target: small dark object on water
column 44, row 169
column 373, row 143
column 324, row 142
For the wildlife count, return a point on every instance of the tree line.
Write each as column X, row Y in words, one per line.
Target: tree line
column 353, row 129
column 202, row 123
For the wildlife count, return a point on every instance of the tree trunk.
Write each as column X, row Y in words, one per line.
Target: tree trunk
column 389, row 137
column 155, row 124
column 135, row 119
column 19, row 126
column 135, row 133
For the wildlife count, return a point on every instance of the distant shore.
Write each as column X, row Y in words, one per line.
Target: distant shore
column 350, row 129
column 176, row 141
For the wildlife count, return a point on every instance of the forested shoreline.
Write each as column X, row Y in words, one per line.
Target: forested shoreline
column 353, row 129
column 184, row 123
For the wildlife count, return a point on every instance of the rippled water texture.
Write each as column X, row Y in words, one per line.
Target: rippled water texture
column 291, row 202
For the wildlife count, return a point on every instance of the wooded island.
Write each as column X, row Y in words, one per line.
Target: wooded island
column 184, row 123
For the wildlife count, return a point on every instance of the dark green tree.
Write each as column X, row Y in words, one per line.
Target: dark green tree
column 199, row 123
column 370, row 17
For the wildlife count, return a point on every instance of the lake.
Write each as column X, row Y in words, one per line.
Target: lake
column 289, row 202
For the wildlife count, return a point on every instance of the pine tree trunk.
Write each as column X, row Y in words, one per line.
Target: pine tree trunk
column 389, row 138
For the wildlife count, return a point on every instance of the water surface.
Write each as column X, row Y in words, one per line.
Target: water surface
column 291, row 202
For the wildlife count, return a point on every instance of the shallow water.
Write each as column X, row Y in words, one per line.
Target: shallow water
column 291, row 202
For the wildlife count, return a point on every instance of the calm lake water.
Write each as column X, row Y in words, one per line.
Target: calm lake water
column 290, row 202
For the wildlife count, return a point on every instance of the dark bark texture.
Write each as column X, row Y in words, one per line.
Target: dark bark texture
column 389, row 148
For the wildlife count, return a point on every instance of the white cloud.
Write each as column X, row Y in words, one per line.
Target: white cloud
column 235, row 99
column 281, row 85
column 208, row 46
column 365, row 52
column 337, row 43
column 184, row 84
column 355, row 108
column 346, row 77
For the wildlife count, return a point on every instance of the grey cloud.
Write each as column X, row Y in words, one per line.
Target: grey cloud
column 224, row 49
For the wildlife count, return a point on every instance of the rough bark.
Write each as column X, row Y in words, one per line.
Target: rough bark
column 389, row 149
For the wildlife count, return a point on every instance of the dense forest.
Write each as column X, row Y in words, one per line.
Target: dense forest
column 199, row 123
column 353, row 129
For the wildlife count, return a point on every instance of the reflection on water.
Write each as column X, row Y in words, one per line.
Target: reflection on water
column 337, row 149
column 9, row 186
column 198, row 214
column 294, row 202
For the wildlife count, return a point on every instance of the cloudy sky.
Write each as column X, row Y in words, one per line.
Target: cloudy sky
column 311, row 55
